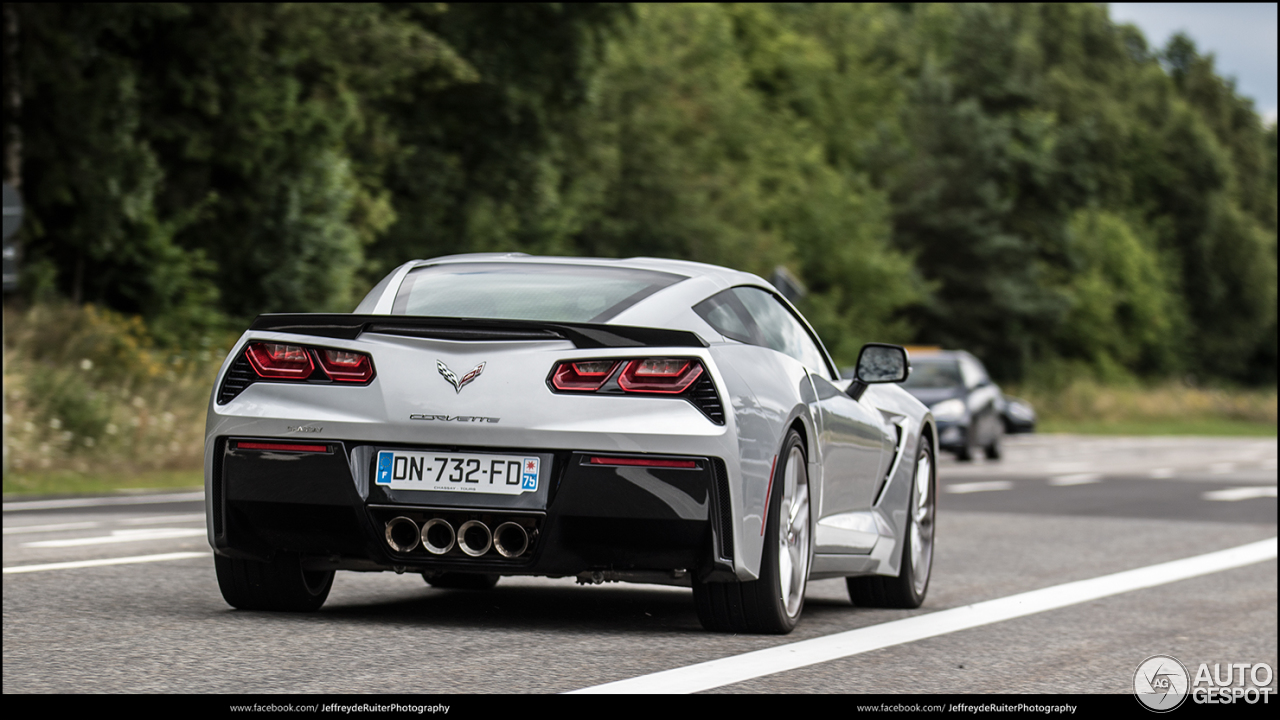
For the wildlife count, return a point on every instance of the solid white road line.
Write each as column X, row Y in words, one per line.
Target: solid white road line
column 985, row 486
column 23, row 529
column 1241, row 493
column 119, row 536
column 102, row 501
column 739, row 668
column 152, row 520
column 1077, row 479
column 104, row 561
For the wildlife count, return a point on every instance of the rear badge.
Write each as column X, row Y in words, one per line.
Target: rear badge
column 457, row 384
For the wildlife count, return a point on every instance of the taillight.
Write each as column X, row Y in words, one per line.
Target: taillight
column 642, row 462
column 344, row 366
column 669, row 376
column 280, row 362
column 287, row 447
column 659, row 375
column 586, row 376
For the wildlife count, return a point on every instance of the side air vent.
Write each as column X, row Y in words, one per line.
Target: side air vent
column 239, row 377
column 704, row 396
column 724, row 512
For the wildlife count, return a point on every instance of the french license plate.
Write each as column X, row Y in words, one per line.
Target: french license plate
column 457, row 472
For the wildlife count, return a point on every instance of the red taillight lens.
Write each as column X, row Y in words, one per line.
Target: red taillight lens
column 643, row 462
column 288, row 447
column 587, row 375
column 344, row 366
column 282, row 362
column 659, row 375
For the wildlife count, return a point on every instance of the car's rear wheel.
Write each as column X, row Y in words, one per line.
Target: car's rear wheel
column 771, row 604
column 462, row 581
column 969, row 451
column 280, row 585
column 908, row 589
column 993, row 451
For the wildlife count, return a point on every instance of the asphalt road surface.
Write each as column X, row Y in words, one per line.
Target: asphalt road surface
column 118, row 595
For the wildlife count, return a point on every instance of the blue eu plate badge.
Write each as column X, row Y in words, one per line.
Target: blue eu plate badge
column 385, row 460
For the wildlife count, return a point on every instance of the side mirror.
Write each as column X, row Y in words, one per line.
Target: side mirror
column 879, row 363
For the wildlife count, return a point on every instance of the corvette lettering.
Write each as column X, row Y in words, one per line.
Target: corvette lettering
column 455, row 418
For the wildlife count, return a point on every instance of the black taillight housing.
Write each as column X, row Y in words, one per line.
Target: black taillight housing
column 661, row 376
column 262, row 361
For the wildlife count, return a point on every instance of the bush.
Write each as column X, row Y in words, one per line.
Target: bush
column 87, row 388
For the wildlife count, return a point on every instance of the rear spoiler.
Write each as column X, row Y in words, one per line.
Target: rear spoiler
column 582, row 335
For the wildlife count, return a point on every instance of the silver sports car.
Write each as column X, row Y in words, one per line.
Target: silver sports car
column 639, row 420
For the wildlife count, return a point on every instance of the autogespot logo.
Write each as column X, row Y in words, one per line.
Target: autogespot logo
column 1161, row 683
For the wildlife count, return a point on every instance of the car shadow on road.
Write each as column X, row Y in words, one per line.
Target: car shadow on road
column 563, row 609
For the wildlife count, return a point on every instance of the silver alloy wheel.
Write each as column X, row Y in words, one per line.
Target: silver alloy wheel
column 922, row 524
column 793, row 533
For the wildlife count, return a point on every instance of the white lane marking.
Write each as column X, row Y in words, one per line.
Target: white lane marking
column 119, row 536
column 148, row 520
column 1162, row 473
column 102, row 501
column 1241, row 493
column 739, row 668
column 104, row 561
column 973, row 487
column 24, row 529
column 1222, row 468
column 1077, row 479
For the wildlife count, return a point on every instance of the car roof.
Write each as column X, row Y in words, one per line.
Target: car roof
column 926, row 354
column 687, row 268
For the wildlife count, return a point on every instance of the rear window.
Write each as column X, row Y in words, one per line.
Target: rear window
column 934, row 374
column 520, row 291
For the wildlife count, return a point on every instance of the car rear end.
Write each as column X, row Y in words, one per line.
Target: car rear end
column 478, row 445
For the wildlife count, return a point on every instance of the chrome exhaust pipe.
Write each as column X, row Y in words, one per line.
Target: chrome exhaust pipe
column 438, row 536
column 402, row 534
column 510, row 540
column 474, row 538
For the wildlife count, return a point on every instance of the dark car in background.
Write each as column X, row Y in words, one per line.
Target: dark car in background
column 971, row 412
column 1019, row 416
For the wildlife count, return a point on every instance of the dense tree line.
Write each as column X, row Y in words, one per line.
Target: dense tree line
column 1034, row 183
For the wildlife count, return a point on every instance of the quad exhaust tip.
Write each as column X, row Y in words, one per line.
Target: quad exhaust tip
column 510, row 540
column 474, row 538
column 402, row 534
column 438, row 536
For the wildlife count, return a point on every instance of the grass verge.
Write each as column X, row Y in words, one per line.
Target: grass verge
column 1205, row 427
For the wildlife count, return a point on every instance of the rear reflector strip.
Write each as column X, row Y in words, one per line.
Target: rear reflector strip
column 281, row 446
column 644, row 462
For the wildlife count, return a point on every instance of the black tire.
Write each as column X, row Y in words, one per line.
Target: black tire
column 280, row 585
column 969, row 450
column 462, row 581
column 908, row 589
column 993, row 450
column 765, row 605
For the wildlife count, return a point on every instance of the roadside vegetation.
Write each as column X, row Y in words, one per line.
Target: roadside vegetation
column 1168, row 408
column 90, row 402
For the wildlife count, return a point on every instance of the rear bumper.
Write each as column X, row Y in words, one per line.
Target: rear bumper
column 585, row 517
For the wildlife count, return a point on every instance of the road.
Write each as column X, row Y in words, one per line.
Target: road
column 1056, row 510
